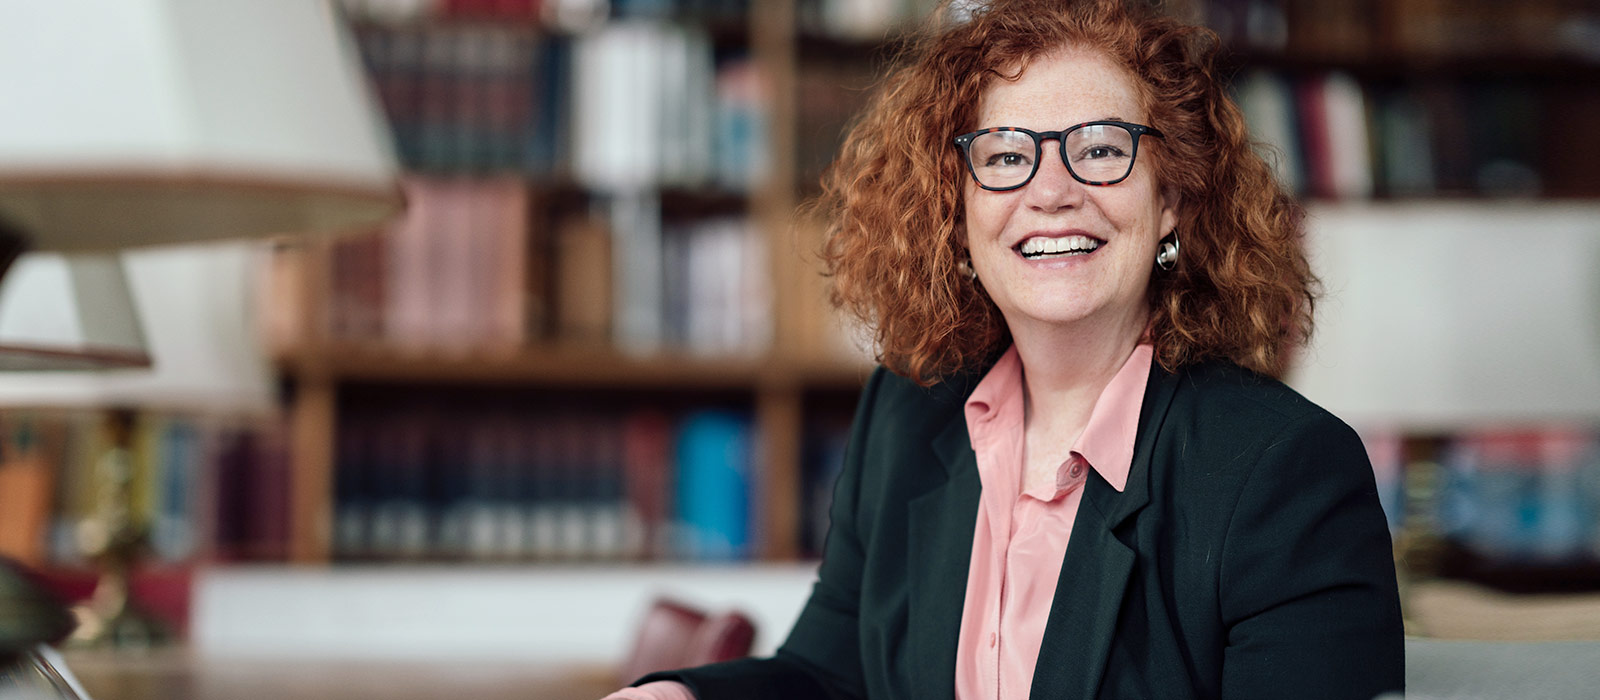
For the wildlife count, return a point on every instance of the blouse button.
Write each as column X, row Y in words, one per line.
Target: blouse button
column 1075, row 467
column 992, row 640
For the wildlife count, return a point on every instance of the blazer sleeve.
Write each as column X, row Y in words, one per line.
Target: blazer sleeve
column 821, row 658
column 1308, row 590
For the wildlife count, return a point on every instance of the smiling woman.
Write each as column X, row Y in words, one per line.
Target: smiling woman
column 1092, row 244
column 897, row 195
column 1074, row 476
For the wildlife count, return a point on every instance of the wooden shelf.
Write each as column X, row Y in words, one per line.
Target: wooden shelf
column 1384, row 65
column 565, row 366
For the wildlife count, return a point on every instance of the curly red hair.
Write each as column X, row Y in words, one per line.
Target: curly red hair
column 1242, row 289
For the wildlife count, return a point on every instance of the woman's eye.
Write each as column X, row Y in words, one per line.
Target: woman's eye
column 1094, row 152
column 1007, row 160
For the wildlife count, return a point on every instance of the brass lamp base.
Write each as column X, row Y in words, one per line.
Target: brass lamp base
column 115, row 539
column 109, row 619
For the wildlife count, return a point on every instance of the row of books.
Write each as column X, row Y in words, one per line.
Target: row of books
column 467, row 271
column 417, row 478
column 569, row 15
column 696, row 286
column 454, row 275
column 1526, row 495
column 865, row 20
column 202, row 487
column 627, row 105
column 415, row 482
column 1423, row 28
column 1333, row 137
column 1314, row 27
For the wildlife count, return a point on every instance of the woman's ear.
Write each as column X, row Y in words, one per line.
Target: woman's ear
column 1170, row 203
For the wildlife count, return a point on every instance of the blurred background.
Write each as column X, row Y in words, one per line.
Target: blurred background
column 592, row 362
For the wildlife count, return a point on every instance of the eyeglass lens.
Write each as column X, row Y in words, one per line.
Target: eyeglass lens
column 1096, row 153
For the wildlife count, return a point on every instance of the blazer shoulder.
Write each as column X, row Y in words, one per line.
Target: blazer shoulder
column 1228, row 427
column 1231, row 395
column 1224, row 410
column 898, row 399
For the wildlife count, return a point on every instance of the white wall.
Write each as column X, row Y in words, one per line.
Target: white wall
column 1440, row 315
column 546, row 614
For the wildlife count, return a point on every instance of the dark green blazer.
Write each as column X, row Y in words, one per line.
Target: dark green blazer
column 1246, row 558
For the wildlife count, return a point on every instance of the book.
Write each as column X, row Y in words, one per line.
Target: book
column 354, row 492
column 409, row 293
column 1405, row 152
column 282, row 304
column 504, row 268
column 743, row 95
column 1523, row 495
column 251, row 498
column 1316, row 142
column 714, row 455
column 1508, row 154
column 1269, row 109
column 647, row 475
column 583, row 284
column 1348, row 137
column 27, row 483
column 636, row 272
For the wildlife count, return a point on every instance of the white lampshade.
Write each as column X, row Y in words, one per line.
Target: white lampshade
column 132, row 122
column 66, row 312
column 196, row 304
column 1447, row 316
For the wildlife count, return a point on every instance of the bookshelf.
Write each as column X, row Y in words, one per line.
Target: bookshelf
column 331, row 353
column 1462, row 109
column 818, row 60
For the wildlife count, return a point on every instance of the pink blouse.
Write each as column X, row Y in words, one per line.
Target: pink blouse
column 1021, row 534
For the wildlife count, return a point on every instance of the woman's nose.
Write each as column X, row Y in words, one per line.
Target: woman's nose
column 1053, row 186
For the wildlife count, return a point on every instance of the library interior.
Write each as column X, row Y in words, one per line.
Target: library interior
column 399, row 348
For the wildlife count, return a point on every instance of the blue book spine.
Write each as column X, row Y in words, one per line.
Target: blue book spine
column 173, row 534
column 714, row 454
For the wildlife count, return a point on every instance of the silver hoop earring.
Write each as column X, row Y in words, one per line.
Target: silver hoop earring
column 964, row 266
column 1167, row 256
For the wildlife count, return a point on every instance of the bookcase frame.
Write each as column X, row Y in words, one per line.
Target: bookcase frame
column 799, row 361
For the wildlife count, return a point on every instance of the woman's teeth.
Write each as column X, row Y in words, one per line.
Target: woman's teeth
column 1038, row 247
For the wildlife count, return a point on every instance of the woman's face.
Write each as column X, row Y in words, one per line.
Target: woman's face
column 1123, row 223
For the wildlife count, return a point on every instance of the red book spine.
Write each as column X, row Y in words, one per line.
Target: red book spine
column 1315, row 143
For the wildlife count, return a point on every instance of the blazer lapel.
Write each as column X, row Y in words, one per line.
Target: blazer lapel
column 940, row 541
column 1094, row 573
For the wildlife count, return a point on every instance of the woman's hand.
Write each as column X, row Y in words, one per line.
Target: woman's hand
column 659, row 690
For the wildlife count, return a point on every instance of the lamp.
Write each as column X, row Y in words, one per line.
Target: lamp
column 1446, row 317
column 168, row 121
column 69, row 312
column 143, row 122
column 197, row 326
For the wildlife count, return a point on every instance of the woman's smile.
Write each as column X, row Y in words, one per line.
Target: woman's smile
column 1045, row 246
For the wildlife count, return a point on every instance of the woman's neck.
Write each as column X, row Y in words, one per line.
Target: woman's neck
column 1065, row 368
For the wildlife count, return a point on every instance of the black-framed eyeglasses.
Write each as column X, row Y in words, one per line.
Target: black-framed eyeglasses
column 1096, row 153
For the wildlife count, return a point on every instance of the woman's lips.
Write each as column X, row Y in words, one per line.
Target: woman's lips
column 1046, row 246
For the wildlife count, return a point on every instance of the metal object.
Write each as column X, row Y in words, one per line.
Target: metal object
column 1167, row 257
column 116, row 540
column 28, row 615
column 38, row 674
